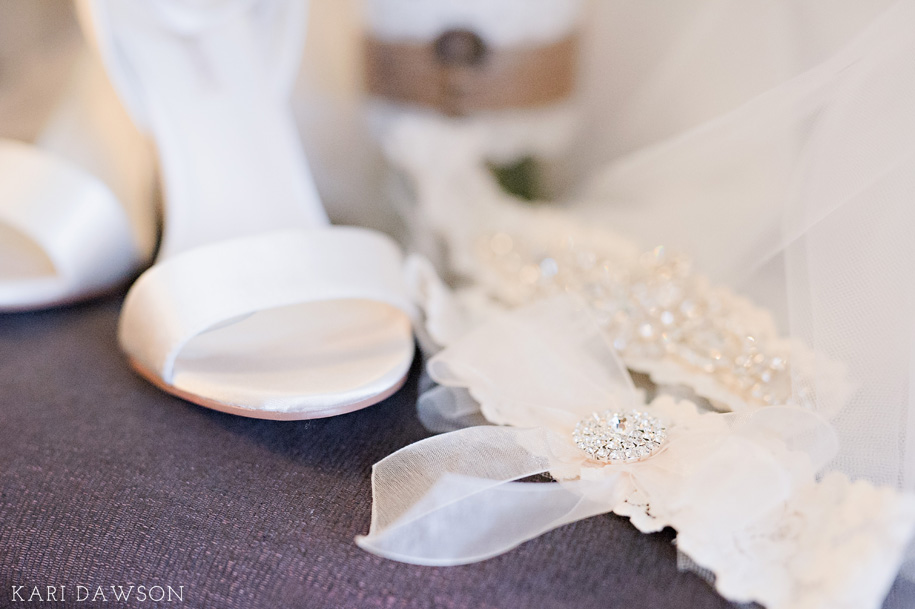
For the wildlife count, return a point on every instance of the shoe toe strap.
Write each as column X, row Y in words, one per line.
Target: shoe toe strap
column 210, row 286
column 71, row 215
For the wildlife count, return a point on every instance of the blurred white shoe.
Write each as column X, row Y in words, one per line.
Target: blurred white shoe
column 77, row 216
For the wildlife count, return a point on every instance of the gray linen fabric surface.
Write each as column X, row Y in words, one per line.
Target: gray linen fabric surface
column 105, row 480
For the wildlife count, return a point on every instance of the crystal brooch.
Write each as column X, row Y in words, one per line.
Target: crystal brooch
column 619, row 437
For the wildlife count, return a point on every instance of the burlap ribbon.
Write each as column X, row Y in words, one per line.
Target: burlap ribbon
column 459, row 74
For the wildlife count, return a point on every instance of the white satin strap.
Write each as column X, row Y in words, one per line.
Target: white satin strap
column 277, row 30
column 72, row 216
column 215, row 284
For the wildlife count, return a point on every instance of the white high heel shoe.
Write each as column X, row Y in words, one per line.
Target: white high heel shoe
column 76, row 206
column 255, row 306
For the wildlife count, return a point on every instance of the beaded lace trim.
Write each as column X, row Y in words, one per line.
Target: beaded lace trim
column 650, row 307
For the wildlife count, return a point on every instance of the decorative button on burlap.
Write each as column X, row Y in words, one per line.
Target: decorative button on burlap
column 460, row 48
column 458, row 73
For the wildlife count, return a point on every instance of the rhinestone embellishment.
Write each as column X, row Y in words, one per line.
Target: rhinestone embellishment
column 619, row 437
column 651, row 307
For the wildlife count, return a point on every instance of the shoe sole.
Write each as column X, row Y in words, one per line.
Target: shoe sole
column 62, row 303
column 254, row 413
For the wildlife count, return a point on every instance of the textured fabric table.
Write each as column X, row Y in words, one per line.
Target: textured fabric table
column 107, row 481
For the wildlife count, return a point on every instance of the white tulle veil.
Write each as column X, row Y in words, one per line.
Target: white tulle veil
column 787, row 171
column 775, row 143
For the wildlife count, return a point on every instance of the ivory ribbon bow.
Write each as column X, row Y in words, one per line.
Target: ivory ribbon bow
column 740, row 490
